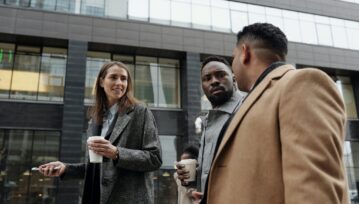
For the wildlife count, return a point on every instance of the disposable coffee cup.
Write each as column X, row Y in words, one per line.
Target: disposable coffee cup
column 190, row 165
column 94, row 158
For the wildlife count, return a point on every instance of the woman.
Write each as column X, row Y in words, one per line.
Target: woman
column 130, row 147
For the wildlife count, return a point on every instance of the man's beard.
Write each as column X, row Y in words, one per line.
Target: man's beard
column 217, row 100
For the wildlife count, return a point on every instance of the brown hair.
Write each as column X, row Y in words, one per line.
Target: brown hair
column 124, row 103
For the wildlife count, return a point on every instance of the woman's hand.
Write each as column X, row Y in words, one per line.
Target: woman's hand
column 103, row 147
column 52, row 169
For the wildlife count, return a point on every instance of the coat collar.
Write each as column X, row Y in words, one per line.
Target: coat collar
column 250, row 100
column 121, row 123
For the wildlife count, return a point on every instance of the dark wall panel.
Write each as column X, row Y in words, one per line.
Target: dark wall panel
column 30, row 115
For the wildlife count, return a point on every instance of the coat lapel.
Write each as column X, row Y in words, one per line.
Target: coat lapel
column 121, row 123
column 248, row 103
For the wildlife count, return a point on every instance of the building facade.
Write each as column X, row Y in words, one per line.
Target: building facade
column 51, row 51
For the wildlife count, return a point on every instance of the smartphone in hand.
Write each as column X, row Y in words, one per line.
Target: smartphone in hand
column 37, row 169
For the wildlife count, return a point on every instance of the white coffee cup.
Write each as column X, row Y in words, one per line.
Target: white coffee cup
column 190, row 165
column 94, row 158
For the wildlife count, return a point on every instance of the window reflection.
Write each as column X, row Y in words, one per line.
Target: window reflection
column 181, row 13
column 212, row 15
column 25, row 78
column 160, row 11
column 346, row 89
column 138, row 9
column 43, row 4
column 52, row 74
column 27, row 73
column 351, row 159
column 21, row 150
column 93, row 7
column 6, row 64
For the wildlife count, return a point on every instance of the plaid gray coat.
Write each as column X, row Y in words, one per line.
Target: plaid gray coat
column 129, row 180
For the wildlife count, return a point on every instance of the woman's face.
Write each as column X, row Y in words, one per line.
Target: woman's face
column 114, row 84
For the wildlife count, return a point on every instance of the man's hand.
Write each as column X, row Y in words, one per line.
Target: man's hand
column 182, row 174
column 197, row 196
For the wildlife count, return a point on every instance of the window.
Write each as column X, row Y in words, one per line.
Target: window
column 93, row 7
column 44, row 4
column 138, row 9
column 116, row 8
column 165, row 185
column 346, row 89
column 239, row 20
column 291, row 26
column 6, row 64
column 351, row 159
column 52, row 74
column 25, row 78
column 201, row 16
column 160, row 11
column 156, row 81
column 181, row 13
column 21, row 150
column 32, row 73
column 220, row 19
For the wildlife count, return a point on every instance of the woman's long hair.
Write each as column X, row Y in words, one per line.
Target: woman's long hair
column 125, row 102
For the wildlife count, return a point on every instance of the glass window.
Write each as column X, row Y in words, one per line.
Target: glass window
column 273, row 12
column 24, row 3
column 44, row 4
column 256, row 18
column 6, row 64
column 201, row 16
column 164, row 183
column 65, row 6
column 351, row 159
column 238, row 6
column 309, row 34
column 353, row 40
column 94, row 62
column 25, row 77
column 116, row 8
column 160, row 11
column 146, row 80
column 181, row 13
column 169, row 88
column 292, row 29
column 52, row 74
column 256, row 9
column 138, row 9
column 239, row 20
column 168, row 144
column 21, row 150
column 346, row 89
column 93, row 7
column 275, row 20
column 220, row 19
column 339, row 36
column 324, row 34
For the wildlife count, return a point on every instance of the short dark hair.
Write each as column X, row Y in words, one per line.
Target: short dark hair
column 270, row 37
column 192, row 151
column 214, row 58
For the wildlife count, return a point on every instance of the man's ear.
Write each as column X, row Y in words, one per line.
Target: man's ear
column 245, row 54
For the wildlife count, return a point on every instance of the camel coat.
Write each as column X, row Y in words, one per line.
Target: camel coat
column 284, row 145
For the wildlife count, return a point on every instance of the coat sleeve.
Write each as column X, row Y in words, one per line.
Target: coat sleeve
column 74, row 171
column 149, row 158
column 312, row 123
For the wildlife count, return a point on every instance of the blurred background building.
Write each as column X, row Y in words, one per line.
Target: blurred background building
column 51, row 51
